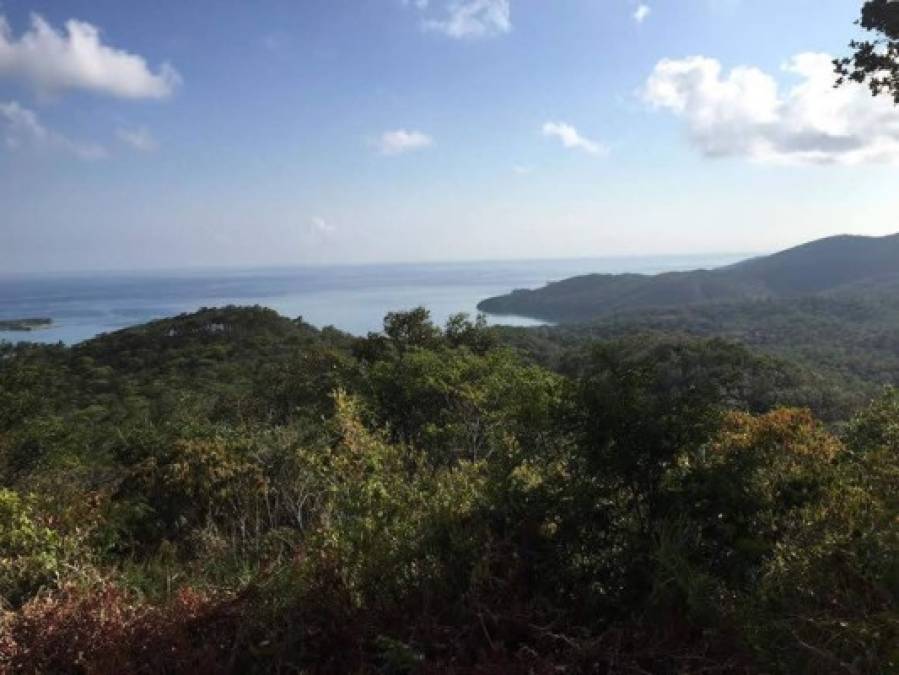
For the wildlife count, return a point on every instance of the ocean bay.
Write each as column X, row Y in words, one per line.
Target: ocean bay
column 353, row 298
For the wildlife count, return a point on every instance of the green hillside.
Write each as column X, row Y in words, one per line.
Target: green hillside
column 232, row 491
column 833, row 265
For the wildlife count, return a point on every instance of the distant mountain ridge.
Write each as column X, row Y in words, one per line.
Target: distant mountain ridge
column 835, row 264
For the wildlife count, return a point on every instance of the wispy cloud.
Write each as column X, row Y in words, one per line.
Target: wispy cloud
column 401, row 141
column 22, row 130
column 522, row 169
column 572, row 139
column 139, row 139
column 745, row 113
column 471, row 18
column 642, row 13
column 275, row 42
column 52, row 61
column 320, row 226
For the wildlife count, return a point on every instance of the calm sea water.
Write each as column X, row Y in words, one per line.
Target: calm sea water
column 352, row 298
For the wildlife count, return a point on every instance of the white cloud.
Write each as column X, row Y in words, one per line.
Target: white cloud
column 745, row 113
column 642, row 13
column 22, row 129
column 523, row 169
column 472, row 19
column 571, row 138
column 399, row 141
column 53, row 61
column 139, row 139
column 321, row 226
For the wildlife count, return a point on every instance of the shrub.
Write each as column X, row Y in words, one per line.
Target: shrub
column 30, row 552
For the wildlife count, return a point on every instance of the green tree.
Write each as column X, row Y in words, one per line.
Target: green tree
column 411, row 329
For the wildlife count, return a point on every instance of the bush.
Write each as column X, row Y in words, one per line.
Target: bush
column 30, row 552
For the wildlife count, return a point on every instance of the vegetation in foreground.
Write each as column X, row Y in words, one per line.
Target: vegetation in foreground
column 233, row 491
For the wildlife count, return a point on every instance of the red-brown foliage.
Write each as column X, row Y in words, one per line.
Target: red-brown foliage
column 104, row 632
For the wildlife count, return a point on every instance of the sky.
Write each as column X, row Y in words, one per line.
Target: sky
column 171, row 134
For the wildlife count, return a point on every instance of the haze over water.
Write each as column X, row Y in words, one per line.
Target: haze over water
column 353, row 298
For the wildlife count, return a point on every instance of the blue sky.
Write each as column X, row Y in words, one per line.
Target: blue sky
column 175, row 134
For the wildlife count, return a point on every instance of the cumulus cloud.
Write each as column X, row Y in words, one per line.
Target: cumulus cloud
column 642, row 13
column 571, row 138
column 76, row 58
column 400, row 141
column 745, row 113
column 472, row 19
column 21, row 129
column 139, row 139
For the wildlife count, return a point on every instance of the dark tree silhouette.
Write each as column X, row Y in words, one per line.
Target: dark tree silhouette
column 875, row 62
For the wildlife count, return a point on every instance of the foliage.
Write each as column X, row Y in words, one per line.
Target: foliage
column 30, row 552
column 875, row 61
column 829, row 354
column 232, row 491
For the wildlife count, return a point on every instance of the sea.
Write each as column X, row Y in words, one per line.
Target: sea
column 353, row 298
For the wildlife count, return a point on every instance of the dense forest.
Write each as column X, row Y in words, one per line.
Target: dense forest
column 235, row 491
column 830, row 307
column 848, row 346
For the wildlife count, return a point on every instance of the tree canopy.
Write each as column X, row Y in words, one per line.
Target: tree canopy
column 875, row 61
column 235, row 491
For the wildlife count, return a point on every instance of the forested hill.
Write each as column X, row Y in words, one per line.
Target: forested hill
column 233, row 491
column 840, row 265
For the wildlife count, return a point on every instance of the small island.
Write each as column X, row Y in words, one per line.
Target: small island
column 24, row 325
